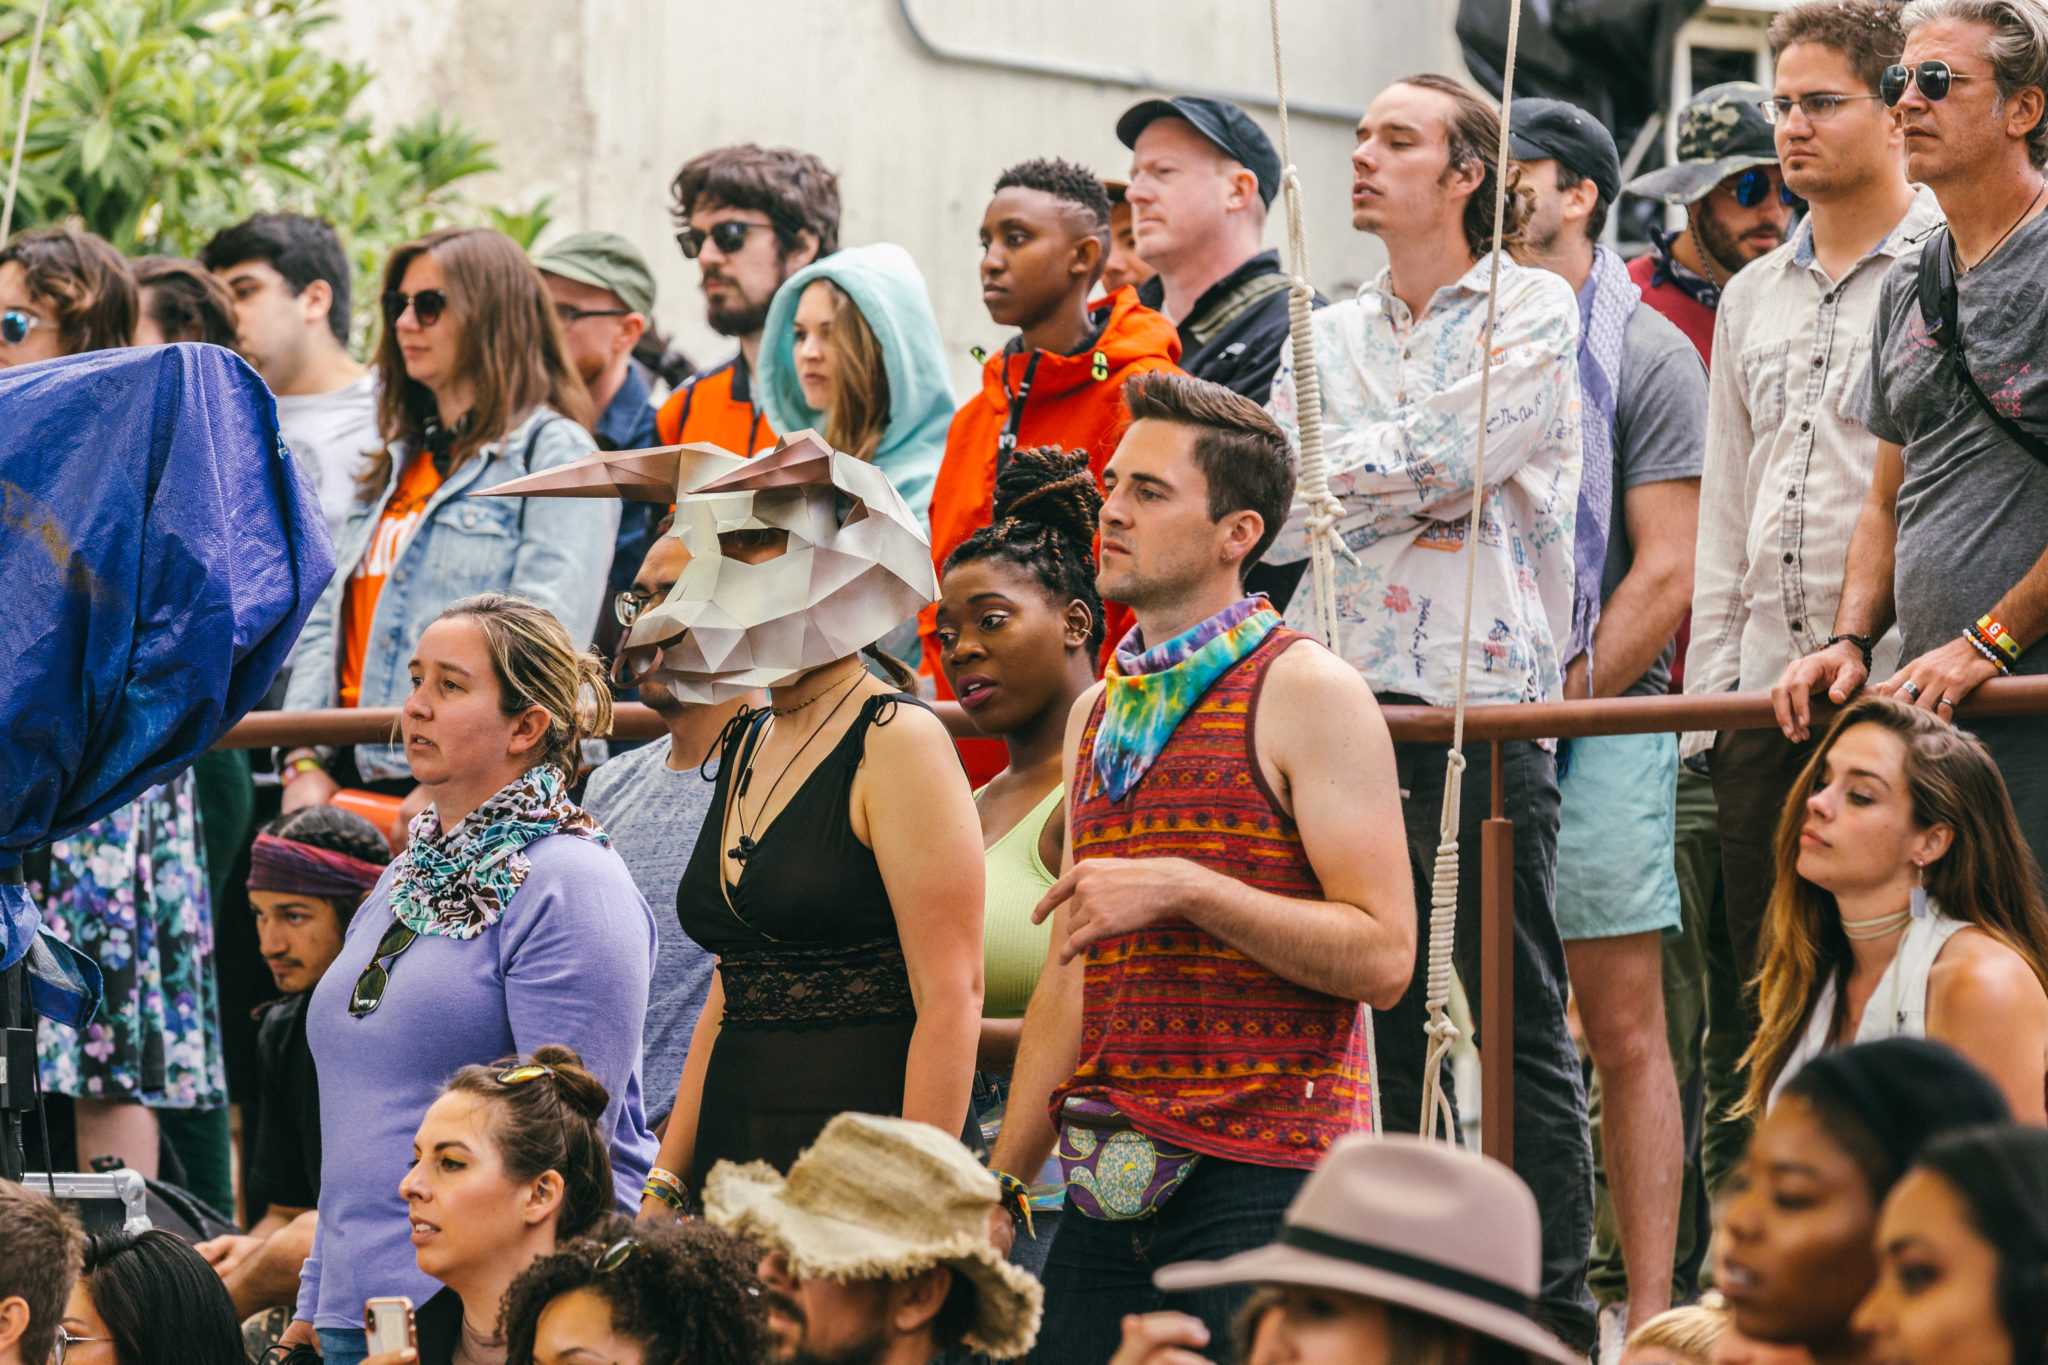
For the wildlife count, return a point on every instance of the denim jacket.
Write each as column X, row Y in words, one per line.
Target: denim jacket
column 553, row 551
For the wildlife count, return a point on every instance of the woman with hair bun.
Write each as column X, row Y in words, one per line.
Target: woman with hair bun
column 507, row 1162
column 1962, row 1249
column 1019, row 628
column 1906, row 905
column 507, row 923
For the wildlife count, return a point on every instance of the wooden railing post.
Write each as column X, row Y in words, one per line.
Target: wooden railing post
column 1497, row 976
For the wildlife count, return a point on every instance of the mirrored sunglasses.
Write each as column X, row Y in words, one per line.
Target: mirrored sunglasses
column 1934, row 79
column 15, row 325
column 1753, row 186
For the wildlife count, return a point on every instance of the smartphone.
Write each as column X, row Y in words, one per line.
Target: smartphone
column 388, row 1324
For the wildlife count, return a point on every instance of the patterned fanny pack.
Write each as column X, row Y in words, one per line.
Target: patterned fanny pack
column 1113, row 1171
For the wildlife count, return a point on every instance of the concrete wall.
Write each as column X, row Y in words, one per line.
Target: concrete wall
column 597, row 102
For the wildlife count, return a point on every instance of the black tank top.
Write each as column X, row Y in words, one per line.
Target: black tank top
column 808, row 940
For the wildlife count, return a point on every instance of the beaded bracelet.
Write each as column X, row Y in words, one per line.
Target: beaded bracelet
column 1990, row 652
column 1017, row 1195
column 1992, row 632
column 1862, row 642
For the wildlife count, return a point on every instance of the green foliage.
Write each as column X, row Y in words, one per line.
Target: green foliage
column 156, row 123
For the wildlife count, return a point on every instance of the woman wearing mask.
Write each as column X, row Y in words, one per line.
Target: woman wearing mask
column 147, row 1298
column 1019, row 629
column 507, row 1163
column 1906, row 905
column 640, row 1296
column 475, row 388
column 1963, row 1254
column 507, row 923
column 852, row 350
column 1796, row 1228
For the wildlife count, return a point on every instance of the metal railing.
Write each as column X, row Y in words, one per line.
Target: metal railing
column 1409, row 724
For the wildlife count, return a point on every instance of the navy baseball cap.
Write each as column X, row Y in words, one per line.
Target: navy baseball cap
column 1552, row 130
column 1223, row 123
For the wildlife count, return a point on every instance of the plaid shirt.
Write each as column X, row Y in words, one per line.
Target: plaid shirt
column 1400, row 398
column 1788, row 462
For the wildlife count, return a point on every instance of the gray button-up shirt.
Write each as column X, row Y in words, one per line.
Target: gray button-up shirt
column 1788, row 462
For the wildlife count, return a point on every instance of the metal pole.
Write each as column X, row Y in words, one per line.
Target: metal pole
column 1497, row 977
column 17, row 1054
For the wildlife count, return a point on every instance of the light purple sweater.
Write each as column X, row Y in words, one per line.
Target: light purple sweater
column 568, row 962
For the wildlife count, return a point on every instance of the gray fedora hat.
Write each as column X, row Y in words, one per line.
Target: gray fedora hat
column 1721, row 130
column 1424, row 1225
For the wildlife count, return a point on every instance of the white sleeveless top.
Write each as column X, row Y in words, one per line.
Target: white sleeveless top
column 1897, row 1008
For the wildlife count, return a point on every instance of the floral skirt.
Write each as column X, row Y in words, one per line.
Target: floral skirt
column 131, row 893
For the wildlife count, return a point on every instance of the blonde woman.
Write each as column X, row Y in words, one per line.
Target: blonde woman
column 508, row 923
column 1906, row 904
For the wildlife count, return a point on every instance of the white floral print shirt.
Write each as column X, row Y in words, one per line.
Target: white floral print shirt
column 1400, row 398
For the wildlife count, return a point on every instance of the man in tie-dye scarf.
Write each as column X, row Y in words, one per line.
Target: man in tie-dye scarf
column 1236, row 885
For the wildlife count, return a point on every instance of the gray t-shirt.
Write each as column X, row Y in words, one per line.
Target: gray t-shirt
column 653, row 814
column 332, row 434
column 1660, row 433
column 1973, row 509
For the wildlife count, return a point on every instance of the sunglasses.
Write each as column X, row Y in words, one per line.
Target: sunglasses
column 1817, row 108
column 570, row 314
column 369, row 991
column 427, row 306
column 728, row 236
column 1933, row 77
column 617, row 1254
column 1753, row 187
column 65, row 1340
column 15, row 326
column 520, row 1075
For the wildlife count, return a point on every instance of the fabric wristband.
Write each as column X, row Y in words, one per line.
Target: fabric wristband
column 1993, row 632
column 1017, row 1195
column 667, row 1195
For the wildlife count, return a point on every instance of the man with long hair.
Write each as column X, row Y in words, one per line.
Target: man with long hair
column 1401, row 366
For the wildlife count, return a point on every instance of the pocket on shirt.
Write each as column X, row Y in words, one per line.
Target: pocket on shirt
column 474, row 544
column 1849, row 383
column 1763, row 379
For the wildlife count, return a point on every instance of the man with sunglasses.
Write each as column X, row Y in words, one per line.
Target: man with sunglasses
column 750, row 217
column 603, row 294
column 1736, row 207
column 1952, row 541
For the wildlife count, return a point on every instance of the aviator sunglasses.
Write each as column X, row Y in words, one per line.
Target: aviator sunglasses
column 728, row 236
column 15, row 326
column 1753, row 186
column 1935, row 78
column 369, row 991
column 427, row 305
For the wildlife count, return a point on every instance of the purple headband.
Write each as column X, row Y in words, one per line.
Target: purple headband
column 287, row 866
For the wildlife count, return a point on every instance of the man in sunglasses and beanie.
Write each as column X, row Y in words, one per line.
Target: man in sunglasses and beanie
column 1736, row 206
column 750, row 217
column 1952, row 542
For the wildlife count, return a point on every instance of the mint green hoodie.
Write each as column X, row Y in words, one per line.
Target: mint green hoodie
column 884, row 283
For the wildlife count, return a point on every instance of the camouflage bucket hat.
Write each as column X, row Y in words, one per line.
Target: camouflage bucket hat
column 1721, row 130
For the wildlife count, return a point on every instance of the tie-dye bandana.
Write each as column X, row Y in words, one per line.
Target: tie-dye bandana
column 1148, row 690
column 456, row 883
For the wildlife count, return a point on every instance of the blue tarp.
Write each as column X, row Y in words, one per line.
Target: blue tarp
column 159, row 551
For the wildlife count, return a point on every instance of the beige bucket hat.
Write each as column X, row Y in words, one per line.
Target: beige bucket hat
column 881, row 1198
column 1424, row 1225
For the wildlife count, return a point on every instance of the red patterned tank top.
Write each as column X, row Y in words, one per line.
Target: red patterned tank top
column 1192, row 1041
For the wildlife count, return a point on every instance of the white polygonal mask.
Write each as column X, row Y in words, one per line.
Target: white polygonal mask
column 856, row 564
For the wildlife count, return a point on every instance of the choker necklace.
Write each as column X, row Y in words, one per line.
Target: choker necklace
column 858, row 667
column 744, row 849
column 1958, row 251
column 1878, row 927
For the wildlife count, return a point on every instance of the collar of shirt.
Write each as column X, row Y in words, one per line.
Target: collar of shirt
column 629, row 414
column 1477, row 280
column 1670, row 270
column 1152, row 293
column 1909, row 231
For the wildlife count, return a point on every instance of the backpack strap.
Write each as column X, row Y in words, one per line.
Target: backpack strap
column 1936, row 288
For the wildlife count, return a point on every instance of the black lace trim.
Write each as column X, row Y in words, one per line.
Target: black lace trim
column 815, row 988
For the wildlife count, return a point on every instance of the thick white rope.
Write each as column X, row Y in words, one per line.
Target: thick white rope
column 1437, row 1117
column 28, row 94
column 1313, row 487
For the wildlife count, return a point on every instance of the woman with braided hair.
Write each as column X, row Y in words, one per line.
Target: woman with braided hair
column 1019, row 629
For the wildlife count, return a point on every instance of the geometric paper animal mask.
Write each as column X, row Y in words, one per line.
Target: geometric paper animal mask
column 856, row 564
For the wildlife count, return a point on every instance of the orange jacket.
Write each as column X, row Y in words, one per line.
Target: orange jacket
column 1075, row 401
column 715, row 406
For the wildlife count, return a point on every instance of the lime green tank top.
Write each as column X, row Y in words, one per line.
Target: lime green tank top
column 1012, row 947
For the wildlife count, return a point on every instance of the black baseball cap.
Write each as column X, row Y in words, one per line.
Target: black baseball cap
column 1223, row 123
column 1552, row 130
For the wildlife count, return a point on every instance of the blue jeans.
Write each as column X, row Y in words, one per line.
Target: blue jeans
column 1552, row 1151
column 1100, row 1270
column 343, row 1346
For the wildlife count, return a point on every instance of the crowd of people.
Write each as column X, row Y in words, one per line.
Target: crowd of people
column 1122, row 1083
